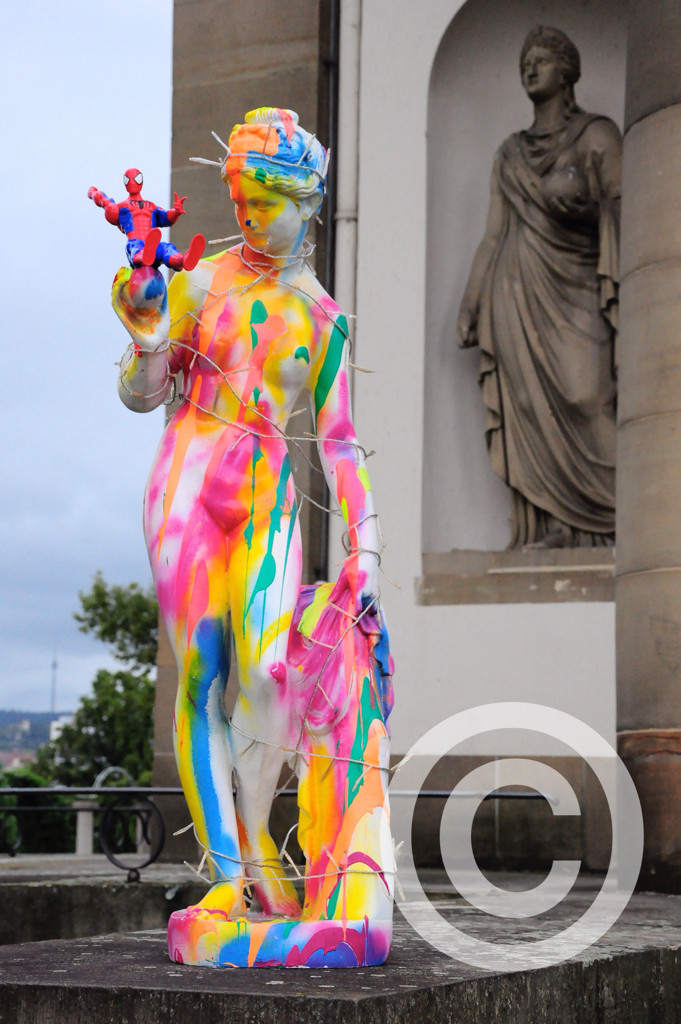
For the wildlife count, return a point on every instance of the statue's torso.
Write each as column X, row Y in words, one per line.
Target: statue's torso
column 561, row 169
column 245, row 362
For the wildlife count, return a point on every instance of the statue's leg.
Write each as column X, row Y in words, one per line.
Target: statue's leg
column 344, row 831
column 344, row 828
column 347, row 921
column 189, row 562
column 204, row 761
column 264, row 580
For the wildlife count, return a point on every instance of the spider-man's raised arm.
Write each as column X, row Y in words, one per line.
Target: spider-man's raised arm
column 109, row 206
column 165, row 218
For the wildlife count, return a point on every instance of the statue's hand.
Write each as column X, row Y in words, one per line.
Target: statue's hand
column 140, row 301
column 466, row 328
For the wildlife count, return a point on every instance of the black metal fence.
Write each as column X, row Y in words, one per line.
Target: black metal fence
column 129, row 826
column 124, row 820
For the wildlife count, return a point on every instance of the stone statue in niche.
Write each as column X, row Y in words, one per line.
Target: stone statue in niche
column 242, row 335
column 541, row 302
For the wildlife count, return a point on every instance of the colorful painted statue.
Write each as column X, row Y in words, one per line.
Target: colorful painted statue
column 142, row 221
column 246, row 333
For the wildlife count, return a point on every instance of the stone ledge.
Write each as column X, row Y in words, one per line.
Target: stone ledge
column 70, row 908
column 522, row 577
column 632, row 976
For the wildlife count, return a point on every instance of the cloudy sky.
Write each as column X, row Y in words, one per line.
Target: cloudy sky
column 86, row 94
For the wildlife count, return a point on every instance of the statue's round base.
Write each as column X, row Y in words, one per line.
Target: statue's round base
column 206, row 940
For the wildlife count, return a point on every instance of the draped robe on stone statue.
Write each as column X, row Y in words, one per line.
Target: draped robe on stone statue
column 546, row 329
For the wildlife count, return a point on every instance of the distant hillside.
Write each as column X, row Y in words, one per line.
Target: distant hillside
column 26, row 729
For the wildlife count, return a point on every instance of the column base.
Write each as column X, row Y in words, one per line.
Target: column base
column 653, row 759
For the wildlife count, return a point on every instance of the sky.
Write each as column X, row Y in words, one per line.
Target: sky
column 86, row 93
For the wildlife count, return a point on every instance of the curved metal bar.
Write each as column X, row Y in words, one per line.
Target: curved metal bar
column 115, row 828
column 114, row 773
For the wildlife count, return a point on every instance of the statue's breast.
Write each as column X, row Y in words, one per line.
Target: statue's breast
column 566, row 183
column 566, row 191
column 256, row 344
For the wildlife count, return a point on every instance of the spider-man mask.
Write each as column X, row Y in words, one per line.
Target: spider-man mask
column 132, row 179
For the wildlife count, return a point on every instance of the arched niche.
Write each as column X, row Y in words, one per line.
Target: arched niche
column 475, row 101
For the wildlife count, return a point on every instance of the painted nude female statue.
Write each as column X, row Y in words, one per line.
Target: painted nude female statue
column 249, row 330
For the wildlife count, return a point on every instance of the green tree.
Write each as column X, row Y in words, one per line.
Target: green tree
column 125, row 617
column 111, row 727
column 114, row 725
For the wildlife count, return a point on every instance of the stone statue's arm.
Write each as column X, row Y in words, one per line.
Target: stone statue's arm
column 466, row 326
column 142, row 303
column 604, row 141
column 605, row 160
column 343, row 460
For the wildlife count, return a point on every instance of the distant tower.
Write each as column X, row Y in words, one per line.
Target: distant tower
column 53, row 694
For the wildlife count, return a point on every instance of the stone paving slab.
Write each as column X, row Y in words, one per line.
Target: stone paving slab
column 632, row 976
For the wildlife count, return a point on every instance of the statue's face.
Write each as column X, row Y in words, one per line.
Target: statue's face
column 541, row 73
column 271, row 222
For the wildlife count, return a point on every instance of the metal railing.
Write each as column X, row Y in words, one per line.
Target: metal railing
column 129, row 822
column 128, row 816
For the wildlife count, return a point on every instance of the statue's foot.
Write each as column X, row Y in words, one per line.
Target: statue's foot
column 277, row 898
column 559, row 537
column 224, row 901
column 214, row 942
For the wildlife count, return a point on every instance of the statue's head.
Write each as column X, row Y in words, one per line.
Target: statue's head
column 276, row 175
column 561, row 50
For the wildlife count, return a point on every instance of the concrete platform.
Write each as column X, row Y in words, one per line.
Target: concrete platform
column 632, row 976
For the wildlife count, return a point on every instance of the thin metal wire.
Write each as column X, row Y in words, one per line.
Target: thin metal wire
column 272, row 864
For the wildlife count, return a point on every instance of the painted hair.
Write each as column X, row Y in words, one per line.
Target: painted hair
column 271, row 147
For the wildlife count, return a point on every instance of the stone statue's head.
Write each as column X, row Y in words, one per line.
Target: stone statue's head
column 272, row 149
column 565, row 52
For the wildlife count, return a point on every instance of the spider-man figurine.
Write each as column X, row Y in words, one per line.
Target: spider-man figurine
column 142, row 221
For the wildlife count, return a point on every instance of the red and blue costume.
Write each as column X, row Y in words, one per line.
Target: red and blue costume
column 142, row 221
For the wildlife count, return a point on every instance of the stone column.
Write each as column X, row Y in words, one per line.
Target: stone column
column 648, row 587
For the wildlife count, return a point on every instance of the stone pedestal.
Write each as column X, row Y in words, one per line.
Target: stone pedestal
column 653, row 757
column 648, row 586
